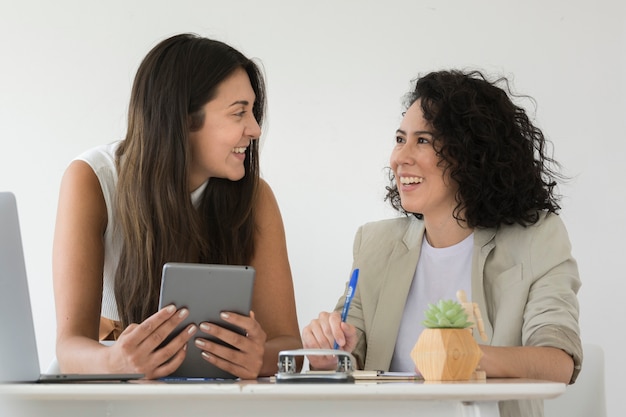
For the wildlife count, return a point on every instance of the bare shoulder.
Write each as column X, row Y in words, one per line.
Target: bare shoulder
column 266, row 194
column 270, row 230
column 81, row 192
column 267, row 206
column 79, row 174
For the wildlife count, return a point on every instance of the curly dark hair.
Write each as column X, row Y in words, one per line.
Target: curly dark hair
column 489, row 146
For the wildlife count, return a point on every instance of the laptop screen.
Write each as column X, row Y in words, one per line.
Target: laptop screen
column 19, row 360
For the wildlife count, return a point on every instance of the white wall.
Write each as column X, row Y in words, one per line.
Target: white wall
column 336, row 71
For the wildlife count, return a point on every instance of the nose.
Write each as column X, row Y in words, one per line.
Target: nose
column 401, row 156
column 252, row 130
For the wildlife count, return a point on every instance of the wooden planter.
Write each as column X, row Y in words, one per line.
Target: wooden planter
column 446, row 354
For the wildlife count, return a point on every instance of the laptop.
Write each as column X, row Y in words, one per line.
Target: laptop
column 19, row 360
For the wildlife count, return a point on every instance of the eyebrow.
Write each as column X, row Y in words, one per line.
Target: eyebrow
column 240, row 103
column 416, row 133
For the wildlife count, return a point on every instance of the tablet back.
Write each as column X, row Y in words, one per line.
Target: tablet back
column 206, row 290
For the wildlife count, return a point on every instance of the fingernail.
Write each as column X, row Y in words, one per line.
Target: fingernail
column 206, row 355
column 170, row 308
column 191, row 330
column 205, row 327
column 183, row 312
column 224, row 315
column 200, row 343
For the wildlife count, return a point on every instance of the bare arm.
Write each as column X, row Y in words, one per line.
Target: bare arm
column 273, row 324
column 534, row 362
column 273, row 300
column 78, row 260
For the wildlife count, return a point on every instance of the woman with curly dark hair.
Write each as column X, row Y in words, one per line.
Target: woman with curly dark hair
column 474, row 179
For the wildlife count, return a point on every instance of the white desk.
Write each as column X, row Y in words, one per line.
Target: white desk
column 258, row 398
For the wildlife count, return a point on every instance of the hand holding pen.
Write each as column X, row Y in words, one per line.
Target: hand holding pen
column 322, row 332
column 349, row 296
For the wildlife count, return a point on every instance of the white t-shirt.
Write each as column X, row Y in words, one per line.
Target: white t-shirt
column 440, row 273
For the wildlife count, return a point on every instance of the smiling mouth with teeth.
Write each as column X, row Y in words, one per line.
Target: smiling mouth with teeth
column 411, row 180
column 240, row 150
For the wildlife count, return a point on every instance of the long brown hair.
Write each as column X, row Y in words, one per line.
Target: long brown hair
column 157, row 220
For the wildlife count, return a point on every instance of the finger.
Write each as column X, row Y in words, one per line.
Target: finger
column 155, row 335
column 247, row 324
column 256, row 329
column 167, row 352
column 246, row 359
column 227, row 353
column 242, row 365
column 148, row 326
column 309, row 340
column 251, row 329
column 135, row 334
column 313, row 337
column 322, row 330
column 334, row 322
column 232, row 339
column 323, row 334
column 170, row 365
column 350, row 335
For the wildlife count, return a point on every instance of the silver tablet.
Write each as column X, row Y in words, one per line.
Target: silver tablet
column 206, row 290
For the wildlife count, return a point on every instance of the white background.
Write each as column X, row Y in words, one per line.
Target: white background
column 336, row 72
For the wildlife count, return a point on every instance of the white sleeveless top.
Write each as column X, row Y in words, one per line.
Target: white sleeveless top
column 102, row 160
column 440, row 273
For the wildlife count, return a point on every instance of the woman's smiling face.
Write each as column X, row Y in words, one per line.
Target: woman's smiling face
column 423, row 185
column 219, row 146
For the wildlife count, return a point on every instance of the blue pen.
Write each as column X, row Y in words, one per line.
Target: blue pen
column 346, row 305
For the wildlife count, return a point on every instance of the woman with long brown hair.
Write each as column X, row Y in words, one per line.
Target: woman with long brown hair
column 183, row 186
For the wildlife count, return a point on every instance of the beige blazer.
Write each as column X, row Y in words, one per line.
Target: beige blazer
column 524, row 280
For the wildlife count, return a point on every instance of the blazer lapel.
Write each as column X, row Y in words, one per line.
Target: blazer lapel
column 398, row 277
column 483, row 245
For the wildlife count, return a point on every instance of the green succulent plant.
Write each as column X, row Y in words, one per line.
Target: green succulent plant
column 446, row 314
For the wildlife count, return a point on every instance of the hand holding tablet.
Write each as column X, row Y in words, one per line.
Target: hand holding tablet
column 206, row 290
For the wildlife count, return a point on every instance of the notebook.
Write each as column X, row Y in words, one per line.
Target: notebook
column 19, row 360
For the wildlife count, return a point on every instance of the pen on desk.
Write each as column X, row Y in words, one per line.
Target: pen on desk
column 346, row 305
